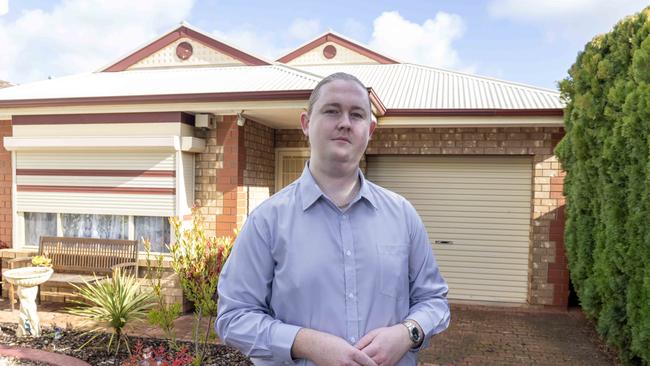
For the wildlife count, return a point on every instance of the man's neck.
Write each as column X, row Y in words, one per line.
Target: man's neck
column 340, row 184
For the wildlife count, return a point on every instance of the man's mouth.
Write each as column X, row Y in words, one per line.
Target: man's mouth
column 341, row 139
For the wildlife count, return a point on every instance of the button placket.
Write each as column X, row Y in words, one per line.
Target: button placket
column 349, row 264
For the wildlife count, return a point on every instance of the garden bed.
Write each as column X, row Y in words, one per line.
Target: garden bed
column 96, row 354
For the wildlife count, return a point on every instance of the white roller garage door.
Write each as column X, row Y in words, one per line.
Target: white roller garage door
column 477, row 212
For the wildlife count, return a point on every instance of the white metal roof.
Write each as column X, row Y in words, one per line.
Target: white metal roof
column 399, row 86
column 195, row 80
column 409, row 86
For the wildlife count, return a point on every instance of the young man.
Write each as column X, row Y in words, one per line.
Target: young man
column 333, row 269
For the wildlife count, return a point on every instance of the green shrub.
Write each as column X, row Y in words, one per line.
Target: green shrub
column 113, row 303
column 606, row 153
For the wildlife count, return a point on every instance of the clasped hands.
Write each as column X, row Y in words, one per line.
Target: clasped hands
column 380, row 347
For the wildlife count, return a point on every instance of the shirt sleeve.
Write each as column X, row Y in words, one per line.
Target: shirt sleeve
column 428, row 290
column 244, row 319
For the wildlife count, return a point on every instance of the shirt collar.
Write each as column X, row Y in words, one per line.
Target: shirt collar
column 310, row 192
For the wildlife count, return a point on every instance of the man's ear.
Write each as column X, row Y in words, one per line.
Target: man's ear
column 373, row 125
column 304, row 123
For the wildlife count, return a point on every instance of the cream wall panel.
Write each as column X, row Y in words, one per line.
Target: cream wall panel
column 140, row 182
column 119, row 160
column 343, row 56
column 104, row 129
column 201, row 56
column 480, row 204
column 96, row 203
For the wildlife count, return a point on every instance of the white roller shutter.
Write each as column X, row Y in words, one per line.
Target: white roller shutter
column 107, row 182
column 477, row 213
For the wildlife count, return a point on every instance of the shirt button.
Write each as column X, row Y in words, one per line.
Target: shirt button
column 348, row 253
column 352, row 339
column 345, row 217
column 351, row 295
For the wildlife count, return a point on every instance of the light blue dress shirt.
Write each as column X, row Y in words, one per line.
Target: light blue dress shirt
column 299, row 261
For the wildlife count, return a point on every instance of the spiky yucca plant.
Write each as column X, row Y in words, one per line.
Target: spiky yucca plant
column 113, row 303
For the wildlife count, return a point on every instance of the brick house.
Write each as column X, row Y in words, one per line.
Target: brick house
column 189, row 118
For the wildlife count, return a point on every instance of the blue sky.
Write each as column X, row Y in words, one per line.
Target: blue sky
column 528, row 41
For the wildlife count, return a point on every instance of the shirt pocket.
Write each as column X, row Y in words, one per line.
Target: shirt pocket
column 393, row 267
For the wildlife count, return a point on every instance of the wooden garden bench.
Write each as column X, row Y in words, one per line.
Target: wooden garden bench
column 76, row 260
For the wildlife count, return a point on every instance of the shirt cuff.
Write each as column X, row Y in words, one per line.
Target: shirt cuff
column 423, row 319
column 283, row 337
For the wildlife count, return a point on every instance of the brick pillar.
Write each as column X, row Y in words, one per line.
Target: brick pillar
column 230, row 177
column 558, row 272
column 6, row 215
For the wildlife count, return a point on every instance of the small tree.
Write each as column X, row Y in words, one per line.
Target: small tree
column 197, row 260
column 164, row 314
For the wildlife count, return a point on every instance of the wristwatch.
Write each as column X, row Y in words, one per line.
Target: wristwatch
column 414, row 332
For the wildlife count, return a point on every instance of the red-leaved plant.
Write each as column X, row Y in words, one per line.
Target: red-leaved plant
column 197, row 259
column 159, row 356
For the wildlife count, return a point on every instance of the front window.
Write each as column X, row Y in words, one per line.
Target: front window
column 154, row 228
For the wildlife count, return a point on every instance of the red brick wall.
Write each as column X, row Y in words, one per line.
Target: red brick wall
column 5, row 187
column 548, row 274
column 259, row 170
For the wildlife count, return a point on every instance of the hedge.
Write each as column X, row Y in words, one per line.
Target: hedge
column 606, row 154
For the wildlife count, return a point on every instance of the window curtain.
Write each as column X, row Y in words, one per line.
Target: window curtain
column 39, row 224
column 95, row 226
column 155, row 229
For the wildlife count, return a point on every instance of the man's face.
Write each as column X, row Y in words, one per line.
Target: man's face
column 340, row 125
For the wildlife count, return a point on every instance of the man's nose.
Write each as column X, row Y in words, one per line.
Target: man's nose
column 345, row 121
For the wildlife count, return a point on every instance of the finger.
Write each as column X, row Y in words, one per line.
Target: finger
column 371, row 350
column 366, row 340
column 363, row 359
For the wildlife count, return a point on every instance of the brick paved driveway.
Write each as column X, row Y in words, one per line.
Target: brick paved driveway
column 477, row 336
column 503, row 336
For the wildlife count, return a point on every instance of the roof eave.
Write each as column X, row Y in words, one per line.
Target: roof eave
column 550, row 112
column 164, row 98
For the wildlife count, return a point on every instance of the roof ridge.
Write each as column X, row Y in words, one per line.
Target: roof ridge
column 297, row 71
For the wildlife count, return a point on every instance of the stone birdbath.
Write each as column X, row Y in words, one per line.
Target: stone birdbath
column 27, row 280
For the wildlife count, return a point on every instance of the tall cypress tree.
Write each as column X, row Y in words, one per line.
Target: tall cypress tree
column 606, row 155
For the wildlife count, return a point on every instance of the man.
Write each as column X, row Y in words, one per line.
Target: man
column 332, row 270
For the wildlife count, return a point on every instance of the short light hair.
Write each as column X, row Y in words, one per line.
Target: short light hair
column 315, row 94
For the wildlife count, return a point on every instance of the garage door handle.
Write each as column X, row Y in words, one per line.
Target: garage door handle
column 447, row 242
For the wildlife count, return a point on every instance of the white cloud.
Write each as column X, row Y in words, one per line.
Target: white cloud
column 429, row 43
column 4, row 7
column 81, row 35
column 304, row 29
column 576, row 20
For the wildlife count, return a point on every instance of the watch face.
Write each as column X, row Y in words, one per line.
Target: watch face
column 415, row 334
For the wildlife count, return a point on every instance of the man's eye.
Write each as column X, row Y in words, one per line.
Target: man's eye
column 358, row 115
column 330, row 111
